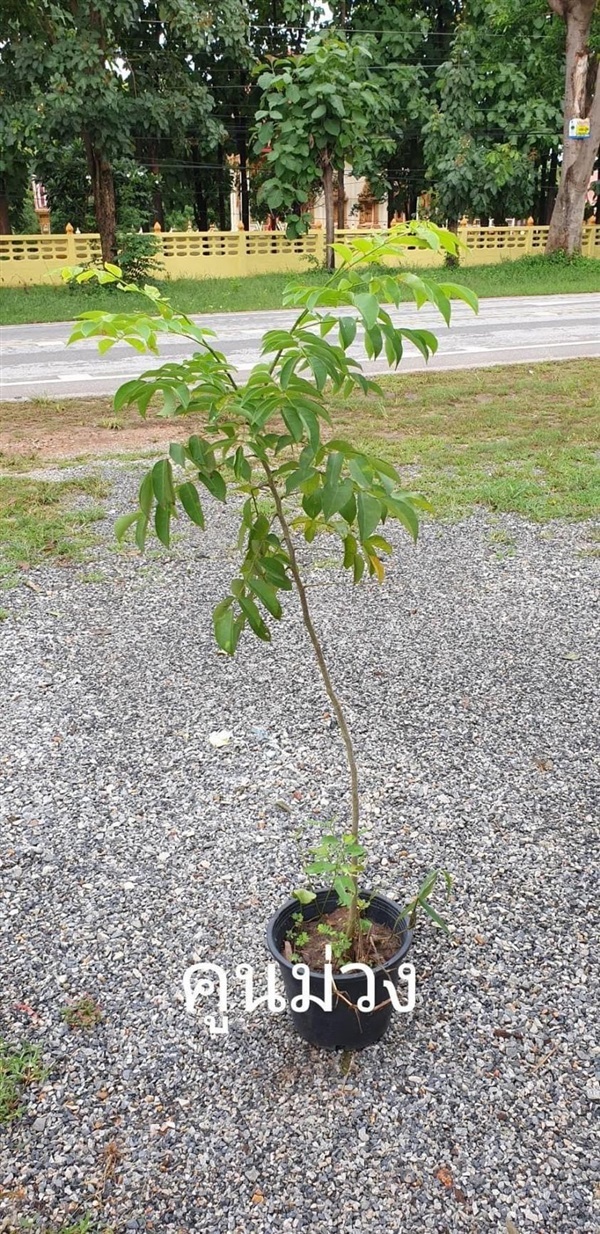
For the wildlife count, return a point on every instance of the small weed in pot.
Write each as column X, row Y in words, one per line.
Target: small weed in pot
column 269, row 439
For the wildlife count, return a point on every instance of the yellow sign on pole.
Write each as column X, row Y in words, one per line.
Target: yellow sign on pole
column 579, row 128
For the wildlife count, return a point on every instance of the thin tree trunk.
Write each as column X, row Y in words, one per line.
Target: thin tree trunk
column 582, row 99
column 551, row 189
column 221, row 192
column 200, row 203
column 242, row 147
column 329, row 215
column 542, row 192
column 5, row 227
column 341, row 200
column 103, row 188
column 157, row 198
column 327, row 682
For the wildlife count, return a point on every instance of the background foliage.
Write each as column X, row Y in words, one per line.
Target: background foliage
column 162, row 101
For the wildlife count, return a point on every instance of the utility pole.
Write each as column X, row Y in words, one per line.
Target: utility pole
column 341, row 191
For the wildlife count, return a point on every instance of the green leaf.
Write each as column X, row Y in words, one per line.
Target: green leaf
column 369, row 511
column 359, row 568
column 347, row 329
column 455, row 291
column 439, row 921
column 312, row 503
column 275, row 572
column 146, row 495
column 178, row 453
column 202, row 454
column 162, row 524
column 141, row 530
column 266, row 594
column 330, row 490
column 127, row 394
column 241, row 466
column 215, row 484
column 349, row 551
column 423, row 340
column 124, row 523
column 255, row 620
column 188, row 496
column 224, row 626
column 368, row 307
column 304, row 897
column 162, row 482
column 348, row 510
column 293, row 422
column 405, row 514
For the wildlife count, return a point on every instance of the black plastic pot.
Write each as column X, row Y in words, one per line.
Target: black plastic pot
column 344, row 1027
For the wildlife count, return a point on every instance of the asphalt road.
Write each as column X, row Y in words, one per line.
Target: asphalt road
column 35, row 359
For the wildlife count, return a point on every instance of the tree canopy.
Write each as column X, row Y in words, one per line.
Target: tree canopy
column 136, row 111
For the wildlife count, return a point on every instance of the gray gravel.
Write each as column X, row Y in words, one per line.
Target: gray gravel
column 130, row 846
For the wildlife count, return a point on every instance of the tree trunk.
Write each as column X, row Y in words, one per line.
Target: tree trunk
column 103, row 188
column 242, row 147
column 221, row 192
column 5, row 227
column 200, row 202
column 582, row 99
column 157, row 198
column 542, row 192
column 341, row 200
column 329, row 215
column 551, row 189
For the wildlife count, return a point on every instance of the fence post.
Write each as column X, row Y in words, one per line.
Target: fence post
column 529, row 236
column 242, row 252
column 71, row 255
column 320, row 246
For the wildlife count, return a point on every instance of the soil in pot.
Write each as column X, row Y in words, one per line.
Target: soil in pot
column 376, row 943
column 345, row 1027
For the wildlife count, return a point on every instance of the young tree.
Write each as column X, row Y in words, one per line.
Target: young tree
column 320, row 110
column 581, row 99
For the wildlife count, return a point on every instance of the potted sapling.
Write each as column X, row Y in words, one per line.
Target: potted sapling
column 270, row 434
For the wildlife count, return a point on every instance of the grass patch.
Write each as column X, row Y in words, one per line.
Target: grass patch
column 85, row 1225
column 523, row 440
column 20, row 1066
column 529, row 276
column 515, row 440
column 82, row 1013
column 38, row 523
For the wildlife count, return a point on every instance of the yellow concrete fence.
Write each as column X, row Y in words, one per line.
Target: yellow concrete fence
column 27, row 260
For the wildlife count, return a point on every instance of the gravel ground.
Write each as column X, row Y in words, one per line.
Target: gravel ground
column 130, row 846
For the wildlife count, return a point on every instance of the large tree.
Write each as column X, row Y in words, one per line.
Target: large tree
column 319, row 111
column 121, row 76
column 581, row 100
column 410, row 40
column 493, row 127
column 18, row 119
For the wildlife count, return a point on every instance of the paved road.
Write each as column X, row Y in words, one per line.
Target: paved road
column 35, row 360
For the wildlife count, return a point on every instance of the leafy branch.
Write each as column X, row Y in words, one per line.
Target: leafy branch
column 268, row 436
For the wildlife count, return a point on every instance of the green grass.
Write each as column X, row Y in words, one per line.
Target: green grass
column 85, row 1225
column 19, row 1066
column 527, row 277
column 38, row 523
column 513, row 440
column 519, row 439
column 83, row 1013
